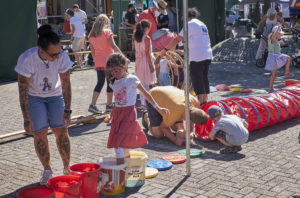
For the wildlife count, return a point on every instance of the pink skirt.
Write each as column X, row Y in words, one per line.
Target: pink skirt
column 125, row 131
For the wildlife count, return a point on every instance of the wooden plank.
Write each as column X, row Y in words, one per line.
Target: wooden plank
column 81, row 52
column 68, row 41
column 89, row 119
column 74, row 120
column 12, row 134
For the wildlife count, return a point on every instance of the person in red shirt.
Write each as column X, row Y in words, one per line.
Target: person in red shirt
column 152, row 13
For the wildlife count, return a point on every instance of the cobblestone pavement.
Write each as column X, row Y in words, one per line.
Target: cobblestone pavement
column 266, row 167
column 230, row 50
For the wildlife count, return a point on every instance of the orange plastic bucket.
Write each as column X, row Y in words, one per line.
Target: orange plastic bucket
column 37, row 192
column 89, row 175
column 291, row 82
column 66, row 186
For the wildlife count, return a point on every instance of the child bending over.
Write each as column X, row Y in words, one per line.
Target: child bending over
column 230, row 130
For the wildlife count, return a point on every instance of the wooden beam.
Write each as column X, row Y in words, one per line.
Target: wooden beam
column 74, row 120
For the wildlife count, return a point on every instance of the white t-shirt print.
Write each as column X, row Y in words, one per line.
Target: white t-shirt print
column 44, row 82
column 125, row 90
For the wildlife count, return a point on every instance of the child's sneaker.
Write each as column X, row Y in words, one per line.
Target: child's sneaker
column 66, row 171
column 289, row 75
column 46, row 175
column 238, row 148
column 271, row 91
column 109, row 108
column 94, row 109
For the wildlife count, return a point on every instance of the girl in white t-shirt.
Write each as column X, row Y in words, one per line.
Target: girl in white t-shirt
column 125, row 132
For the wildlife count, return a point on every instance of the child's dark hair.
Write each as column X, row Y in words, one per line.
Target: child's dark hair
column 193, row 13
column 47, row 37
column 116, row 60
column 140, row 30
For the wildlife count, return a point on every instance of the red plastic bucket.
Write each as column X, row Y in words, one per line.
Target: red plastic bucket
column 89, row 175
column 66, row 186
column 37, row 192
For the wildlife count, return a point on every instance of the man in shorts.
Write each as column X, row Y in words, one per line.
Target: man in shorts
column 230, row 130
column 173, row 99
column 77, row 35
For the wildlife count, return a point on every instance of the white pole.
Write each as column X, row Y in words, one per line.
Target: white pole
column 186, row 80
column 177, row 17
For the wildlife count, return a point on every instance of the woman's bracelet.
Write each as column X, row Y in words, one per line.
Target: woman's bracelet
column 155, row 105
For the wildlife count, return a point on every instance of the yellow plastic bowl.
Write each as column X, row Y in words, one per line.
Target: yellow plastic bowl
column 235, row 89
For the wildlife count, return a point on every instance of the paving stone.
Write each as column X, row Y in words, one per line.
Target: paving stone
column 266, row 167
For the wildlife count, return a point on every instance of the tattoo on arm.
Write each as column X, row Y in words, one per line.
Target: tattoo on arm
column 66, row 88
column 23, row 84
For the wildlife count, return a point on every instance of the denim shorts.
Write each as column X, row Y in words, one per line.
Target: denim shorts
column 45, row 112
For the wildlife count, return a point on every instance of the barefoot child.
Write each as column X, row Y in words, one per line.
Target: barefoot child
column 230, row 130
column 125, row 132
column 276, row 59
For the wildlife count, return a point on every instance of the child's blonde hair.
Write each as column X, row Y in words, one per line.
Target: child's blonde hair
column 271, row 12
column 99, row 25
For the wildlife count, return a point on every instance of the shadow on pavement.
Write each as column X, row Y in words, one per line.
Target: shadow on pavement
column 75, row 130
column 161, row 145
column 13, row 139
column 85, row 129
column 177, row 187
column 15, row 193
column 127, row 193
column 264, row 132
column 222, row 157
column 209, row 144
